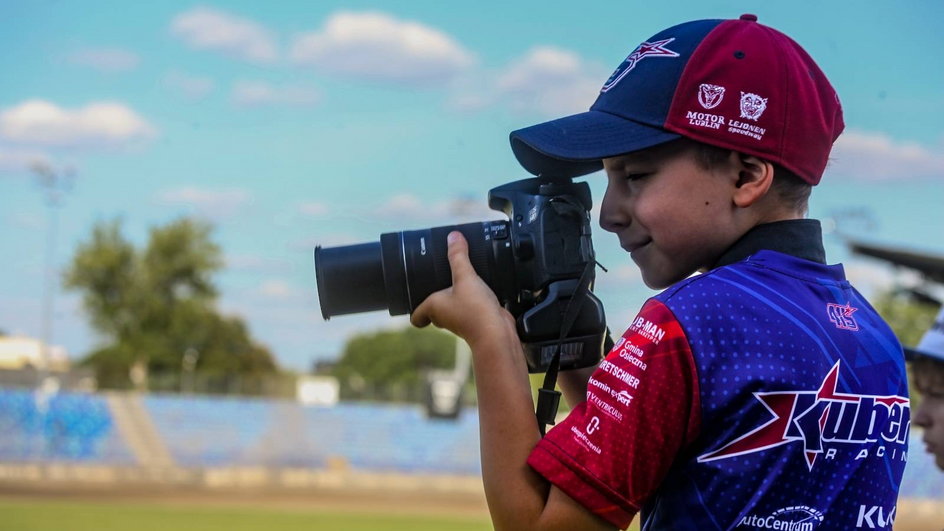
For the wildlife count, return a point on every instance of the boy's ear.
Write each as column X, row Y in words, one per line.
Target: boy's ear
column 754, row 179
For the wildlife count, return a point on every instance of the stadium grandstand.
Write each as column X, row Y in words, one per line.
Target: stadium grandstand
column 200, row 434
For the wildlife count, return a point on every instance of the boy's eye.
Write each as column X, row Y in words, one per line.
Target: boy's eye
column 936, row 394
column 636, row 176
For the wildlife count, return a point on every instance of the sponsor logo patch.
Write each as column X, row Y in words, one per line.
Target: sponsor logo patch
column 796, row 518
column 812, row 418
column 875, row 517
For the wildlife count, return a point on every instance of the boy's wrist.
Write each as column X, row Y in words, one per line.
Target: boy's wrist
column 499, row 330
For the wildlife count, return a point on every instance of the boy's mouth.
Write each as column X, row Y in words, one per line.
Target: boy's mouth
column 631, row 247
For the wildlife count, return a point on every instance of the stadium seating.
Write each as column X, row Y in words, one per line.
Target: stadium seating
column 59, row 427
column 207, row 432
column 210, row 432
column 395, row 438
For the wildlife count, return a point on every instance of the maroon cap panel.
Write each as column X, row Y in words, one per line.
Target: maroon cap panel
column 752, row 89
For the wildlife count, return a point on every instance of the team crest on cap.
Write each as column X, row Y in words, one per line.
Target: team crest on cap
column 752, row 106
column 646, row 49
column 710, row 96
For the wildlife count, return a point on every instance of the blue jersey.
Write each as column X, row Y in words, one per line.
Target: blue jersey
column 765, row 394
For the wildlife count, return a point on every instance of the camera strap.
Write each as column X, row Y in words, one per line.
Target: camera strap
column 548, row 396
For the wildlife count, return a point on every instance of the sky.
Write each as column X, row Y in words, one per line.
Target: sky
column 292, row 124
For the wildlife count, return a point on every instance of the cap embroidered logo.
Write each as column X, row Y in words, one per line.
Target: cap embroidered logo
column 710, row 96
column 646, row 49
column 752, row 106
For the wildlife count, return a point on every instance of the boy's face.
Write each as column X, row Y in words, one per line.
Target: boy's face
column 929, row 381
column 673, row 216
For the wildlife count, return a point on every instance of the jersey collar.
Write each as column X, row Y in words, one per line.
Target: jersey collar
column 801, row 238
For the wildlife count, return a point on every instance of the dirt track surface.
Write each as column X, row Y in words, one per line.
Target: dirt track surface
column 295, row 500
column 913, row 515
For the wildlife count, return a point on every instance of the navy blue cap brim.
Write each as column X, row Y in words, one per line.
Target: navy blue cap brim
column 913, row 354
column 575, row 145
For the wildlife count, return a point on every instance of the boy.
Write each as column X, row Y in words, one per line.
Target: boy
column 927, row 364
column 764, row 393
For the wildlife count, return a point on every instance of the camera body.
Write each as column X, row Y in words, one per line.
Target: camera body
column 551, row 243
column 533, row 262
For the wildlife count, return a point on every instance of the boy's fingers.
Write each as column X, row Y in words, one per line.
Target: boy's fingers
column 420, row 316
column 459, row 256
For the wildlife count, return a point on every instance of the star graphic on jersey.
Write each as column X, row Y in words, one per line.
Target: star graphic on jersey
column 801, row 416
column 646, row 49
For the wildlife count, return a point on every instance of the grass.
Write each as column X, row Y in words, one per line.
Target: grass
column 57, row 515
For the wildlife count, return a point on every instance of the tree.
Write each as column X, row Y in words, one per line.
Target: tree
column 152, row 305
column 907, row 318
column 389, row 359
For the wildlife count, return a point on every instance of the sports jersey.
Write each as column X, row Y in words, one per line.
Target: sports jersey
column 763, row 394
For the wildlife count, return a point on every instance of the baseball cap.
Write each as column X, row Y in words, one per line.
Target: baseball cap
column 735, row 84
column 932, row 343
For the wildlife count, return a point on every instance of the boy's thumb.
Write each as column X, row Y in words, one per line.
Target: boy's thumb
column 458, row 253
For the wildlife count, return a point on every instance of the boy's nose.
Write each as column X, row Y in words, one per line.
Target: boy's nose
column 612, row 218
column 921, row 416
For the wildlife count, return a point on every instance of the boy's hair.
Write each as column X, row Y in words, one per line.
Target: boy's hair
column 928, row 374
column 793, row 191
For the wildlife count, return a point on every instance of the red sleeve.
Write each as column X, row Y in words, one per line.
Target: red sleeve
column 642, row 409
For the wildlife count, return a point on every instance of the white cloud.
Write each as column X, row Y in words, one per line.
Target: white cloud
column 376, row 46
column 549, row 80
column 545, row 80
column 314, row 208
column 408, row 208
column 876, row 156
column 466, row 100
column 106, row 59
column 248, row 93
column 401, row 206
column 190, row 86
column 40, row 122
column 277, row 289
column 211, row 29
column 21, row 160
column 213, row 203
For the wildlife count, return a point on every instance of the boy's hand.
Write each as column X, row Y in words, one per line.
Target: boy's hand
column 469, row 307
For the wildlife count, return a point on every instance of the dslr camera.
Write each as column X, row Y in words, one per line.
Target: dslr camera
column 540, row 264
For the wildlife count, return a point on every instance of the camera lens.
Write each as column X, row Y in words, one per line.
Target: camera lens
column 350, row 279
column 404, row 268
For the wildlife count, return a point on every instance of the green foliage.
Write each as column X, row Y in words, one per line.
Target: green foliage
column 154, row 304
column 394, row 357
column 908, row 319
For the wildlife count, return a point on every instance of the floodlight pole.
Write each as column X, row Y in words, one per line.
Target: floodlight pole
column 54, row 184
